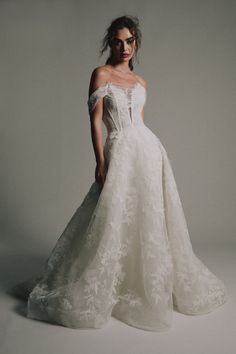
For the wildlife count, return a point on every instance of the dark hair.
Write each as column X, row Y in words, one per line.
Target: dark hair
column 130, row 22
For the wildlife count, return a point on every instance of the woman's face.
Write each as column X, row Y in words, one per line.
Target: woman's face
column 123, row 46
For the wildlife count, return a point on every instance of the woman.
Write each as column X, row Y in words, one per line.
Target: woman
column 126, row 251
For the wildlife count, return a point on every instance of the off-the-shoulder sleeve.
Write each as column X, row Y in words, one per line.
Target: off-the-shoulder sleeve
column 95, row 96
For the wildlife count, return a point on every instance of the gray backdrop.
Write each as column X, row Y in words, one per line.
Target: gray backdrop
column 48, row 51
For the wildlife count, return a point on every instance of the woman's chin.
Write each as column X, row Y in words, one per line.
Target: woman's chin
column 125, row 58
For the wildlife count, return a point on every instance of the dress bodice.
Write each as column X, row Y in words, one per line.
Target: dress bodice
column 122, row 105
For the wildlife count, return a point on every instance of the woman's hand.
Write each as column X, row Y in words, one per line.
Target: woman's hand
column 100, row 173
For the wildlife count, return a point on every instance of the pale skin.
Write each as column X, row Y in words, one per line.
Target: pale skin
column 120, row 73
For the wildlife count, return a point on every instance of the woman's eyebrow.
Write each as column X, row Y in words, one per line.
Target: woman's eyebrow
column 118, row 39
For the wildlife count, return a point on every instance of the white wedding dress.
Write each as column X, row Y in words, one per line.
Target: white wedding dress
column 126, row 251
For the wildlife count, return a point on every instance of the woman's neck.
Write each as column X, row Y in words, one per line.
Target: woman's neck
column 122, row 67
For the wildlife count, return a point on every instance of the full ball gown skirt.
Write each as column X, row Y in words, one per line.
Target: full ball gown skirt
column 126, row 251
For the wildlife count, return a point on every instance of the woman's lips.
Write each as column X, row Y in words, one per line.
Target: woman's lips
column 125, row 55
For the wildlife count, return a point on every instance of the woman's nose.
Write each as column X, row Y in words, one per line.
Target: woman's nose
column 124, row 46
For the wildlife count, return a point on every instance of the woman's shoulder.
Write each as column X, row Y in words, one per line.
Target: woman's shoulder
column 141, row 80
column 100, row 72
column 99, row 77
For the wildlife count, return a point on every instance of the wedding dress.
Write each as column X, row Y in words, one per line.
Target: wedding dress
column 126, row 251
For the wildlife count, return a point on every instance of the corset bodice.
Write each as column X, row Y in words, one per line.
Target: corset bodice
column 122, row 105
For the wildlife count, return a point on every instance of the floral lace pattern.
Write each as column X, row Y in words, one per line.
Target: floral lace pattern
column 126, row 251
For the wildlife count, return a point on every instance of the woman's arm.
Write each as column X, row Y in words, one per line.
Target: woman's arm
column 98, row 78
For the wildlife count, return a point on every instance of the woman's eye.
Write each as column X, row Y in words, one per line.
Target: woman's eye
column 117, row 42
column 130, row 41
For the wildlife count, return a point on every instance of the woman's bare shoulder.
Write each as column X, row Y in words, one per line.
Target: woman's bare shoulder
column 141, row 80
column 100, row 73
column 99, row 77
column 102, row 70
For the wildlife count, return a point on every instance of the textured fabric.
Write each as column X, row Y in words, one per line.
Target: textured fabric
column 126, row 251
